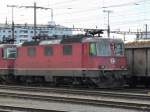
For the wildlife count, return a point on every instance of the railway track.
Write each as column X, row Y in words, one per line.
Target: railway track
column 63, row 90
column 96, row 98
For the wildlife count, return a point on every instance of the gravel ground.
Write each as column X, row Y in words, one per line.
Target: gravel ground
column 58, row 106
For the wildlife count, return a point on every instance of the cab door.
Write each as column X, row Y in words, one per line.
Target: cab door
column 87, row 55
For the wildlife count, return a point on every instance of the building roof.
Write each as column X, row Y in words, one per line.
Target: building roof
column 31, row 25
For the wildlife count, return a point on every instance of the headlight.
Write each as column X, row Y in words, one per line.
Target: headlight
column 101, row 66
column 122, row 67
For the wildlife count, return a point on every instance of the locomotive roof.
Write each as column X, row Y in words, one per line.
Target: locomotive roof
column 7, row 45
column 68, row 41
column 95, row 39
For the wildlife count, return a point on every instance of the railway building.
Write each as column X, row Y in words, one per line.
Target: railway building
column 25, row 32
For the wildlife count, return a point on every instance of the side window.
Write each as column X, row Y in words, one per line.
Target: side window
column 9, row 53
column 119, row 49
column 4, row 53
column 48, row 51
column 92, row 48
column 31, row 51
column 67, row 49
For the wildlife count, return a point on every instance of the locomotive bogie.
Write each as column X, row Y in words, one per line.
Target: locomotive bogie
column 48, row 73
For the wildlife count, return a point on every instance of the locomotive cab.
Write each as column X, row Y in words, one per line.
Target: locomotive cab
column 105, row 58
column 107, row 54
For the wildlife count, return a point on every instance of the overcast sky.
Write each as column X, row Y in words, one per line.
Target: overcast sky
column 124, row 14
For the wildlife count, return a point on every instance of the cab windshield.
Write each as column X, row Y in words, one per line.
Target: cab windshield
column 106, row 48
column 101, row 48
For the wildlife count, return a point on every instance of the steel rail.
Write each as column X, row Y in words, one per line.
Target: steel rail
column 4, row 108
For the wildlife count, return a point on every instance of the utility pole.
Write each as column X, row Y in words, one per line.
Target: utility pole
column 52, row 15
column 6, row 21
column 124, row 37
column 146, row 27
column 35, row 18
column 12, row 20
column 108, row 22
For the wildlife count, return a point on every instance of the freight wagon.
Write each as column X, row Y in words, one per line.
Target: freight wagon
column 138, row 59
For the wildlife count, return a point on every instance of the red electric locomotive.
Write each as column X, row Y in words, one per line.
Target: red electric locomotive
column 90, row 61
column 76, row 60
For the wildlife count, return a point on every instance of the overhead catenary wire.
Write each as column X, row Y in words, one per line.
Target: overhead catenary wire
column 89, row 10
column 72, row 2
column 97, row 9
column 121, row 16
column 94, row 8
column 74, row 13
column 124, row 4
column 82, row 11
